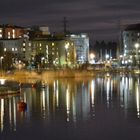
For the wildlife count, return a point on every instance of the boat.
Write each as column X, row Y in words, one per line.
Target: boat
column 9, row 87
column 22, row 106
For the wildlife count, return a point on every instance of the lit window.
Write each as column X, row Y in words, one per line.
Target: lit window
column 40, row 44
column 13, row 33
column 12, row 49
column 23, row 44
column 83, row 36
column 15, row 49
column 0, row 30
column 52, row 44
column 30, row 44
column 5, row 49
column 24, row 49
column 9, row 35
column 0, row 35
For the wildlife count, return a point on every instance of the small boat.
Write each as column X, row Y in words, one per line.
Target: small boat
column 9, row 87
column 22, row 106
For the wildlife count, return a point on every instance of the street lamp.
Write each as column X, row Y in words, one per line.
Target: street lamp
column 1, row 63
column 92, row 58
column 107, row 56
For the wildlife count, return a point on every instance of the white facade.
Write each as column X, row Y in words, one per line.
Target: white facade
column 131, row 44
column 81, row 42
column 130, row 38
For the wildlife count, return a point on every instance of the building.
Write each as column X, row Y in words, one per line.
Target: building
column 131, row 45
column 51, row 51
column 81, row 42
column 12, row 51
column 11, row 31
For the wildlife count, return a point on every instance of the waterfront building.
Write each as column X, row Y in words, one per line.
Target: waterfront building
column 131, row 45
column 81, row 42
column 11, row 31
column 51, row 51
column 12, row 51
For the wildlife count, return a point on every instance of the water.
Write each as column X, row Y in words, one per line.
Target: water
column 68, row 109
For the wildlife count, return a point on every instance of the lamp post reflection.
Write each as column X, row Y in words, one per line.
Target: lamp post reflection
column 68, row 104
column 93, row 97
column 2, row 114
column 138, row 100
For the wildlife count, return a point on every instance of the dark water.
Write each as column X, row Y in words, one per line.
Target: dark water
column 74, row 109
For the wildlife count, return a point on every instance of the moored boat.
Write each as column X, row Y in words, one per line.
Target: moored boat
column 9, row 87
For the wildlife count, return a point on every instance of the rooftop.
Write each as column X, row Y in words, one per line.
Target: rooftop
column 133, row 27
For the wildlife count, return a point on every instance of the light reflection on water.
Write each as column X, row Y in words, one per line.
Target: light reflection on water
column 71, row 101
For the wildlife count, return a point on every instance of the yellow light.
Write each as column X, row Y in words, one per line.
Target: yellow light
column 92, row 56
column 2, row 81
column 137, row 45
column 52, row 43
column 67, row 45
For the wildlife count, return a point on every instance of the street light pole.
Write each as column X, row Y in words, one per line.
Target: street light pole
column 1, row 64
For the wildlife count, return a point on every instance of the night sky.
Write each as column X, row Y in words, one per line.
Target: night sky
column 100, row 18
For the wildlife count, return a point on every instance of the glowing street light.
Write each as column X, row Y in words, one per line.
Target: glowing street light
column 92, row 57
column 107, row 56
column 137, row 45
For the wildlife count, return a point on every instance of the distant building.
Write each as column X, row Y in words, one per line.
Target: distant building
column 51, row 52
column 35, row 46
column 12, row 51
column 11, row 31
column 38, row 32
column 45, row 30
column 131, row 44
column 81, row 42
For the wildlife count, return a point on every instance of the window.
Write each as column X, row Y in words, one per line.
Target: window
column 24, row 44
column 13, row 49
column 9, row 35
column 52, row 43
column 29, row 44
column 4, row 49
column 24, row 49
column 13, row 33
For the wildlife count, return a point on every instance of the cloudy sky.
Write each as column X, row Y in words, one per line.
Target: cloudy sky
column 100, row 18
